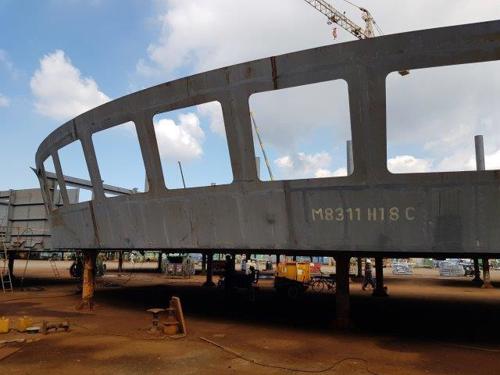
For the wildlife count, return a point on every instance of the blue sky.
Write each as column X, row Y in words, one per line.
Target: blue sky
column 105, row 40
column 59, row 58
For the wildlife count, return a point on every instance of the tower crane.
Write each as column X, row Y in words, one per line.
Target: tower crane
column 335, row 16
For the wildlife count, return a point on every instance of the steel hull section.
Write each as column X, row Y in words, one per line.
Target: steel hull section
column 365, row 219
column 370, row 212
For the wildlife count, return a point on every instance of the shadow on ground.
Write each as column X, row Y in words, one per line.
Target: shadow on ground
column 419, row 317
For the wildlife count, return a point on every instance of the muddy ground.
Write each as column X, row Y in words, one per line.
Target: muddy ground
column 428, row 325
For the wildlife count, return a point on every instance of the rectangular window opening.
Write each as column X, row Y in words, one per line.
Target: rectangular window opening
column 73, row 164
column 119, row 157
column 303, row 130
column 193, row 146
column 52, row 183
column 433, row 115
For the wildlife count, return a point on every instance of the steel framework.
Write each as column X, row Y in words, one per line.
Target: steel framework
column 369, row 212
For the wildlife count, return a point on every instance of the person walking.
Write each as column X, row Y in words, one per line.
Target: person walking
column 368, row 275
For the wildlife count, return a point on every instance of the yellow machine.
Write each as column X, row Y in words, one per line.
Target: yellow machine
column 297, row 271
column 4, row 325
column 292, row 278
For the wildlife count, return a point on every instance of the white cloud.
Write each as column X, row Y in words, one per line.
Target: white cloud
column 180, row 141
column 208, row 34
column 213, row 111
column 434, row 116
column 204, row 35
column 303, row 165
column 339, row 172
column 60, row 90
column 7, row 64
column 491, row 161
column 408, row 164
column 4, row 101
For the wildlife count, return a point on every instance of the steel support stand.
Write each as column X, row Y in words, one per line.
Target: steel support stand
column 210, row 271
column 481, row 166
column 380, row 289
column 477, row 273
column 120, row 261
column 203, row 264
column 359, row 275
column 342, row 299
column 486, row 274
column 10, row 264
column 160, row 254
column 89, row 265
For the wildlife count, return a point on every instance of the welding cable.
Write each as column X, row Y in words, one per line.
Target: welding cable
column 255, row 362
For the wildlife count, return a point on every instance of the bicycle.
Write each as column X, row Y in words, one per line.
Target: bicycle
column 322, row 283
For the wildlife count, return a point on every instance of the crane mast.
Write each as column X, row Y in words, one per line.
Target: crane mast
column 347, row 24
column 266, row 160
column 340, row 19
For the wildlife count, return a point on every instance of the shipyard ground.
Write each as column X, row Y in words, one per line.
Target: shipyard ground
column 428, row 325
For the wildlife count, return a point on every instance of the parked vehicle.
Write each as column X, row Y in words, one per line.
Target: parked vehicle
column 178, row 265
column 292, row 278
column 451, row 268
column 401, row 268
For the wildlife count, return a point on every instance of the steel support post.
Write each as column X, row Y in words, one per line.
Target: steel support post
column 11, row 258
column 89, row 265
column 359, row 273
column 210, row 271
column 481, row 166
column 203, row 264
column 486, row 274
column 160, row 254
column 278, row 258
column 477, row 273
column 380, row 289
column 342, row 299
column 120, row 261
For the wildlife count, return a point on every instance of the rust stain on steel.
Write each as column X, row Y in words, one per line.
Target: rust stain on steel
column 368, row 213
column 94, row 223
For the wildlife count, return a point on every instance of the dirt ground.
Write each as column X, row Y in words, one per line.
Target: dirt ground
column 428, row 325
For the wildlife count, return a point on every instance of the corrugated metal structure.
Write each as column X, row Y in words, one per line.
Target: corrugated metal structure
column 24, row 224
column 23, row 220
column 370, row 212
